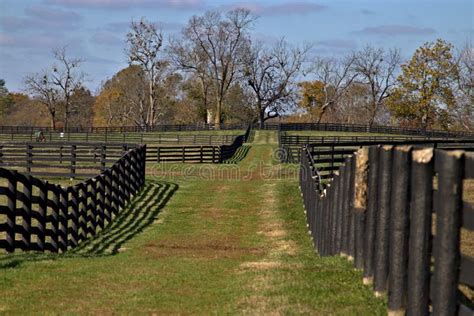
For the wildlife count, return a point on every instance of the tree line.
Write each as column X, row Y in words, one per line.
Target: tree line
column 215, row 72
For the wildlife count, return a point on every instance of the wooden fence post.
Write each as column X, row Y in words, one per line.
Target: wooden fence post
column 372, row 209
column 351, row 219
column 82, row 200
column 143, row 164
column 419, row 257
column 42, row 213
column 29, row 157
column 339, row 212
column 115, row 201
column 133, row 173
column 103, row 157
column 398, row 239
column 333, row 216
column 54, row 216
column 100, row 200
column 382, row 221
column 73, row 215
column 11, row 212
column 108, row 194
column 63, row 219
column 73, row 161
column 26, row 213
column 91, row 209
column 345, row 209
column 448, row 228
column 95, row 203
column 121, row 185
column 126, row 174
column 361, row 166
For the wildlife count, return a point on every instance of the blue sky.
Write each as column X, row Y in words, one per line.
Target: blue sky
column 95, row 29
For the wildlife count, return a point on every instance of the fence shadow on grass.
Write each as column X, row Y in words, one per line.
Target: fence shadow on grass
column 141, row 212
column 239, row 155
column 138, row 215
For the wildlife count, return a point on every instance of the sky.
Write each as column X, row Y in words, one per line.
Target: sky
column 95, row 30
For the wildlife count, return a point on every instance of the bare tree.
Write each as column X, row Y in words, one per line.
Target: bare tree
column 55, row 87
column 270, row 73
column 41, row 88
column 376, row 68
column 213, row 47
column 66, row 78
column 144, row 45
column 335, row 77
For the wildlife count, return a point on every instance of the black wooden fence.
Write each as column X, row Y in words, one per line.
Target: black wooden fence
column 120, row 129
column 290, row 146
column 85, row 159
column 359, row 128
column 185, row 154
column 197, row 154
column 122, row 137
column 61, row 159
column 333, row 127
column 379, row 210
column 38, row 215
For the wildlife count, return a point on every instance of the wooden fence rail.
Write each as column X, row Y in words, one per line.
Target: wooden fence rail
column 38, row 215
column 379, row 210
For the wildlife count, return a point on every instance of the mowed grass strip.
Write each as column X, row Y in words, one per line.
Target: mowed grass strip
column 195, row 246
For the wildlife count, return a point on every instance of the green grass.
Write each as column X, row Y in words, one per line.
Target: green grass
column 190, row 245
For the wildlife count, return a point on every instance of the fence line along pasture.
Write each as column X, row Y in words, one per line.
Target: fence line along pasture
column 38, row 215
column 123, row 137
column 379, row 210
column 281, row 126
column 120, row 129
column 359, row 128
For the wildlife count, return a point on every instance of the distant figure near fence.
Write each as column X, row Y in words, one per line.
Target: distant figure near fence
column 39, row 136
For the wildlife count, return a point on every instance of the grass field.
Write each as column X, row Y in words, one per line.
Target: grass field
column 220, row 239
